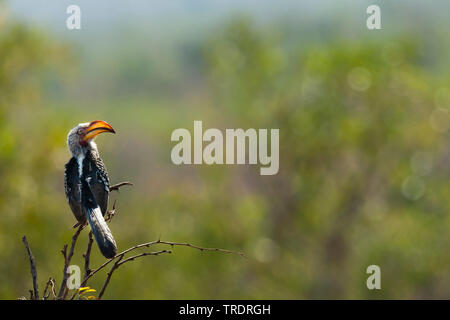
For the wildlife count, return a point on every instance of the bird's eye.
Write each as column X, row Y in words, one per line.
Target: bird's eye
column 79, row 132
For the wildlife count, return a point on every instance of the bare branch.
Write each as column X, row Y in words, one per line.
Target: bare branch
column 33, row 270
column 120, row 255
column 173, row 244
column 67, row 258
column 117, row 186
column 108, row 278
column 87, row 256
column 154, row 253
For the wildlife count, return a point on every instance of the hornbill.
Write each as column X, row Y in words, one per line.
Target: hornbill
column 87, row 184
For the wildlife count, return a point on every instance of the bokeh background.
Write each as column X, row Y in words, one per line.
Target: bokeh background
column 364, row 133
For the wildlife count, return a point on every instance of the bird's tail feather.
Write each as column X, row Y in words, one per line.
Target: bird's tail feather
column 100, row 229
column 102, row 234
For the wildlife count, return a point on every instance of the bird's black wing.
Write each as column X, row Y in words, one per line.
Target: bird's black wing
column 72, row 186
column 97, row 177
column 94, row 192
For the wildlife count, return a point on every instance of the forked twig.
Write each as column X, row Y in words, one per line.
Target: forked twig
column 120, row 262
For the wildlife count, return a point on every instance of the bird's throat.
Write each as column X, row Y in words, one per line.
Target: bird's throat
column 80, row 159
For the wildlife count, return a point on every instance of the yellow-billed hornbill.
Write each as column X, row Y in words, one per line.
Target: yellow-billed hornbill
column 87, row 184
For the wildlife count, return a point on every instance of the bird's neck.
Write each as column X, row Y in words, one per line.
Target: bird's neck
column 91, row 145
column 81, row 154
column 79, row 151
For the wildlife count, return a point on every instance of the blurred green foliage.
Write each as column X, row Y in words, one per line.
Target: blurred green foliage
column 363, row 168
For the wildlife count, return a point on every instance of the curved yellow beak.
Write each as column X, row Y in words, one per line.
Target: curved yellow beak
column 97, row 127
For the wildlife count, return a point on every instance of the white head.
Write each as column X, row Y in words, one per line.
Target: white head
column 80, row 137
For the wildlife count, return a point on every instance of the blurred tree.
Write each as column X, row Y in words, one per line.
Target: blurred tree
column 363, row 166
column 27, row 61
column 352, row 116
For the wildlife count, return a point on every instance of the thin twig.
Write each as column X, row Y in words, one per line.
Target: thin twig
column 120, row 262
column 67, row 258
column 45, row 295
column 117, row 186
column 201, row 248
column 33, row 270
column 108, row 278
column 87, row 256
column 50, row 284
column 154, row 253
column 111, row 213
